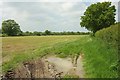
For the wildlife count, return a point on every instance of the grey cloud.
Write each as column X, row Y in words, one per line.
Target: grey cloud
column 39, row 16
column 45, row 16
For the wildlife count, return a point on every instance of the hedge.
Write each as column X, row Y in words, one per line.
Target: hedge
column 109, row 35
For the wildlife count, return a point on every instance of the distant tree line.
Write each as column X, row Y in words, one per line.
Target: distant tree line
column 96, row 17
column 47, row 32
column 11, row 28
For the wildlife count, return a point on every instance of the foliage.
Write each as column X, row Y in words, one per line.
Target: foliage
column 36, row 33
column 109, row 35
column 98, row 16
column 4, row 35
column 10, row 27
column 47, row 32
column 27, row 33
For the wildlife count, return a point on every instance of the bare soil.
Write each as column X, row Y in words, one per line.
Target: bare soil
column 48, row 67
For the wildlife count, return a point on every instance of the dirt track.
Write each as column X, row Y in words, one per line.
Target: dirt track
column 48, row 67
column 66, row 66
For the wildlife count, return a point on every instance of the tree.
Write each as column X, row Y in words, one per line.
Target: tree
column 27, row 33
column 10, row 27
column 98, row 16
column 47, row 32
column 37, row 33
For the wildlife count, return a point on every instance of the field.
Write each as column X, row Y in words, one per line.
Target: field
column 99, row 59
column 18, row 49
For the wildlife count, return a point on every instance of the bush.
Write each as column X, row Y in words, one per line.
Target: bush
column 4, row 35
column 0, row 35
column 109, row 35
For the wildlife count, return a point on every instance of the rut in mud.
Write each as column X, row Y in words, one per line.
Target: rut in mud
column 48, row 67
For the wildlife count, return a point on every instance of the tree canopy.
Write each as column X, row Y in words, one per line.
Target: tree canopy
column 10, row 27
column 98, row 16
column 47, row 32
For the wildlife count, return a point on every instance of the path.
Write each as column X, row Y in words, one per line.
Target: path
column 66, row 66
column 48, row 67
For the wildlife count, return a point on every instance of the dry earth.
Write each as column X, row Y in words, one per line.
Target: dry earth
column 48, row 67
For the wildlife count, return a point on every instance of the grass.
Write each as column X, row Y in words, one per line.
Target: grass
column 17, row 44
column 99, row 58
column 18, row 49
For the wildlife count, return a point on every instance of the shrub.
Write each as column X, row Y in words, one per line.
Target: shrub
column 109, row 35
column 4, row 35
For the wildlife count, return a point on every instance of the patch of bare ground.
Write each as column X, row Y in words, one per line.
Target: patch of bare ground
column 48, row 67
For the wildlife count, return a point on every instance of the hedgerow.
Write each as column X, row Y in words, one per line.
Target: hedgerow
column 109, row 35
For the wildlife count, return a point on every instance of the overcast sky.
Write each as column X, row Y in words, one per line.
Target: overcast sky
column 57, row 15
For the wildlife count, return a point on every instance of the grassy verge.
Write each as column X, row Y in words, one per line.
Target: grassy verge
column 99, row 58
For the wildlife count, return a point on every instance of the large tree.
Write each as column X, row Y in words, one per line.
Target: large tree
column 10, row 27
column 98, row 16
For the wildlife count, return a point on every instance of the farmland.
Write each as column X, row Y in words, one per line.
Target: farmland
column 49, row 43
column 16, row 50
column 23, row 48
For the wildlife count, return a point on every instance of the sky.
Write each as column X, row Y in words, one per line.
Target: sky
column 53, row 15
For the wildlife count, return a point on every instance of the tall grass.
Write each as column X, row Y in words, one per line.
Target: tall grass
column 99, row 58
